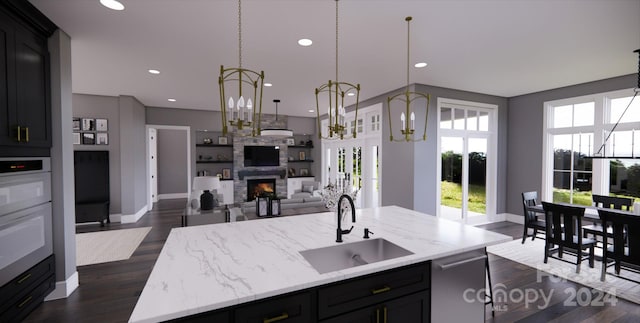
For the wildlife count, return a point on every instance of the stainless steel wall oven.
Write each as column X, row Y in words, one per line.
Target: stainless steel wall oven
column 25, row 214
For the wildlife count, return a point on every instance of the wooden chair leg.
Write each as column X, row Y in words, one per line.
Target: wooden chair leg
column 524, row 234
column 535, row 232
column 546, row 252
column 592, row 256
column 579, row 261
column 617, row 266
column 560, row 251
column 603, row 272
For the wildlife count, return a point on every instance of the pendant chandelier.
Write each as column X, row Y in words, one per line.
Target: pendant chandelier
column 238, row 110
column 276, row 132
column 602, row 152
column 405, row 100
column 336, row 91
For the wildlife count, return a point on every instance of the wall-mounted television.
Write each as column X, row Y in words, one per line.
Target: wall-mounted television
column 261, row 156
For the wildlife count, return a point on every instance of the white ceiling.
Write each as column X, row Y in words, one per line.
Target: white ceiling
column 498, row 47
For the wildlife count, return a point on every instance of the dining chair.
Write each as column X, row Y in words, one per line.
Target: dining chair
column 530, row 218
column 564, row 229
column 607, row 202
column 626, row 248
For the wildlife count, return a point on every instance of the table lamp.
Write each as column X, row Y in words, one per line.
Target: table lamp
column 206, row 184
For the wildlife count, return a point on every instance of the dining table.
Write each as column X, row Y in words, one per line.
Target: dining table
column 590, row 212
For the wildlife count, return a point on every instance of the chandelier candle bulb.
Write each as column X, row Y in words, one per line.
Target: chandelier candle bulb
column 402, row 121
column 413, row 121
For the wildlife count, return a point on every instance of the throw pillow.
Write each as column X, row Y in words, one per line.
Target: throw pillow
column 308, row 188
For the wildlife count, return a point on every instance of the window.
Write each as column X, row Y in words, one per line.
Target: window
column 573, row 132
column 466, row 118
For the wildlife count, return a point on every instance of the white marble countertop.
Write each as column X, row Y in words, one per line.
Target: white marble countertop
column 208, row 267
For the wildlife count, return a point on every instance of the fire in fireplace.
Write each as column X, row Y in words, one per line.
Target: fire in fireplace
column 258, row 187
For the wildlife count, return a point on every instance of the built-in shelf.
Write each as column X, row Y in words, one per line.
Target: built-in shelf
column 301, row 161
column 214, row 162
column 213, row 145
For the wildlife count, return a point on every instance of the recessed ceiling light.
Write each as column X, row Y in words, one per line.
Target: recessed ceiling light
column 171, row 100
column 112, row 4
column 305, row 42
column 268, row 84
column 420, row 65
column 154, row 71
column 312, row 110
column 351, row 94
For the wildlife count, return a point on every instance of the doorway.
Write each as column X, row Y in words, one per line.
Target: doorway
column 468, row 165
column 153, row 173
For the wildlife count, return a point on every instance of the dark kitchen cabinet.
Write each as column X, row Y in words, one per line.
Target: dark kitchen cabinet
column 411, row 308
column 25, row 103
column 292, row 308
column 26, row 292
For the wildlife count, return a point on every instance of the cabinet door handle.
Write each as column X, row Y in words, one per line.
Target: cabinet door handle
column 380, row 290
column 384, row 314
column 284, row 316
column 23, row 303
column 19, row 133
column 26, row 134
column 24, row 278
column 377, row 315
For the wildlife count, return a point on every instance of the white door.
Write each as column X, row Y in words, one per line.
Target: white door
column 153, row 167
column 467, row 167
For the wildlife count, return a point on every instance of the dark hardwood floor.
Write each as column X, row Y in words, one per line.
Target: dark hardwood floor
column 108, row 292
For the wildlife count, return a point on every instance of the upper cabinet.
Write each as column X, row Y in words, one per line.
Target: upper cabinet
column 25, row 103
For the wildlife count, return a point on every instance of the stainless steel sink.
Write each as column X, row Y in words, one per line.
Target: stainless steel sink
column 352, row 254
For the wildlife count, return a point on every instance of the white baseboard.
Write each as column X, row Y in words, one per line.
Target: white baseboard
column 133, row 218
column 515, row 218
column 173, row 196
column 64, row 288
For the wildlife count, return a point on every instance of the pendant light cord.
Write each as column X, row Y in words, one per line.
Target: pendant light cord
column 239, row 33
column 408, row 19
column 336, row 41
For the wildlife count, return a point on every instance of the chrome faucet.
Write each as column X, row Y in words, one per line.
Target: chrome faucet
column 339, row 231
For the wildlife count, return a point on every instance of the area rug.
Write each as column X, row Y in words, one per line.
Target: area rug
column 531, row 253
column 105, row 246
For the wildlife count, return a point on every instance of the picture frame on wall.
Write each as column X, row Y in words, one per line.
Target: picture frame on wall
column 222, row 140
column 291, row 142
column 88, row 124
column 226, row 173
column 102, row 139
column 88, row 138
column 302, row 155
column 102, row 125
column 304, row 172
column 76, row 137
column 76, row 124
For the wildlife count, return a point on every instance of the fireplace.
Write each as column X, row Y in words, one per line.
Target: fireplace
column 257, row 187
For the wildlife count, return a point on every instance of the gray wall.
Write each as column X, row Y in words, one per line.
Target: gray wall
column 133, row 167
column 409, row 174
column 105, row 107
column 524, row 143
column 172, row 159
column 62, row 172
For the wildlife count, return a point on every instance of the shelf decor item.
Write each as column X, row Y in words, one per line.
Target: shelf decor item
column 226, row 173
column 206, row 184
column 291, row 142
column 222, row 140
column 302, row 155
column 206, row 141
column 304, row 172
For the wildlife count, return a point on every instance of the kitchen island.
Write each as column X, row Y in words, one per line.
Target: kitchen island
column 212, row 267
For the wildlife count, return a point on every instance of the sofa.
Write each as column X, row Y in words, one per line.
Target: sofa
column 309, row 189
column 249, row 208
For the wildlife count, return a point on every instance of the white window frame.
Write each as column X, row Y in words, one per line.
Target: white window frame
column 600, row 170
